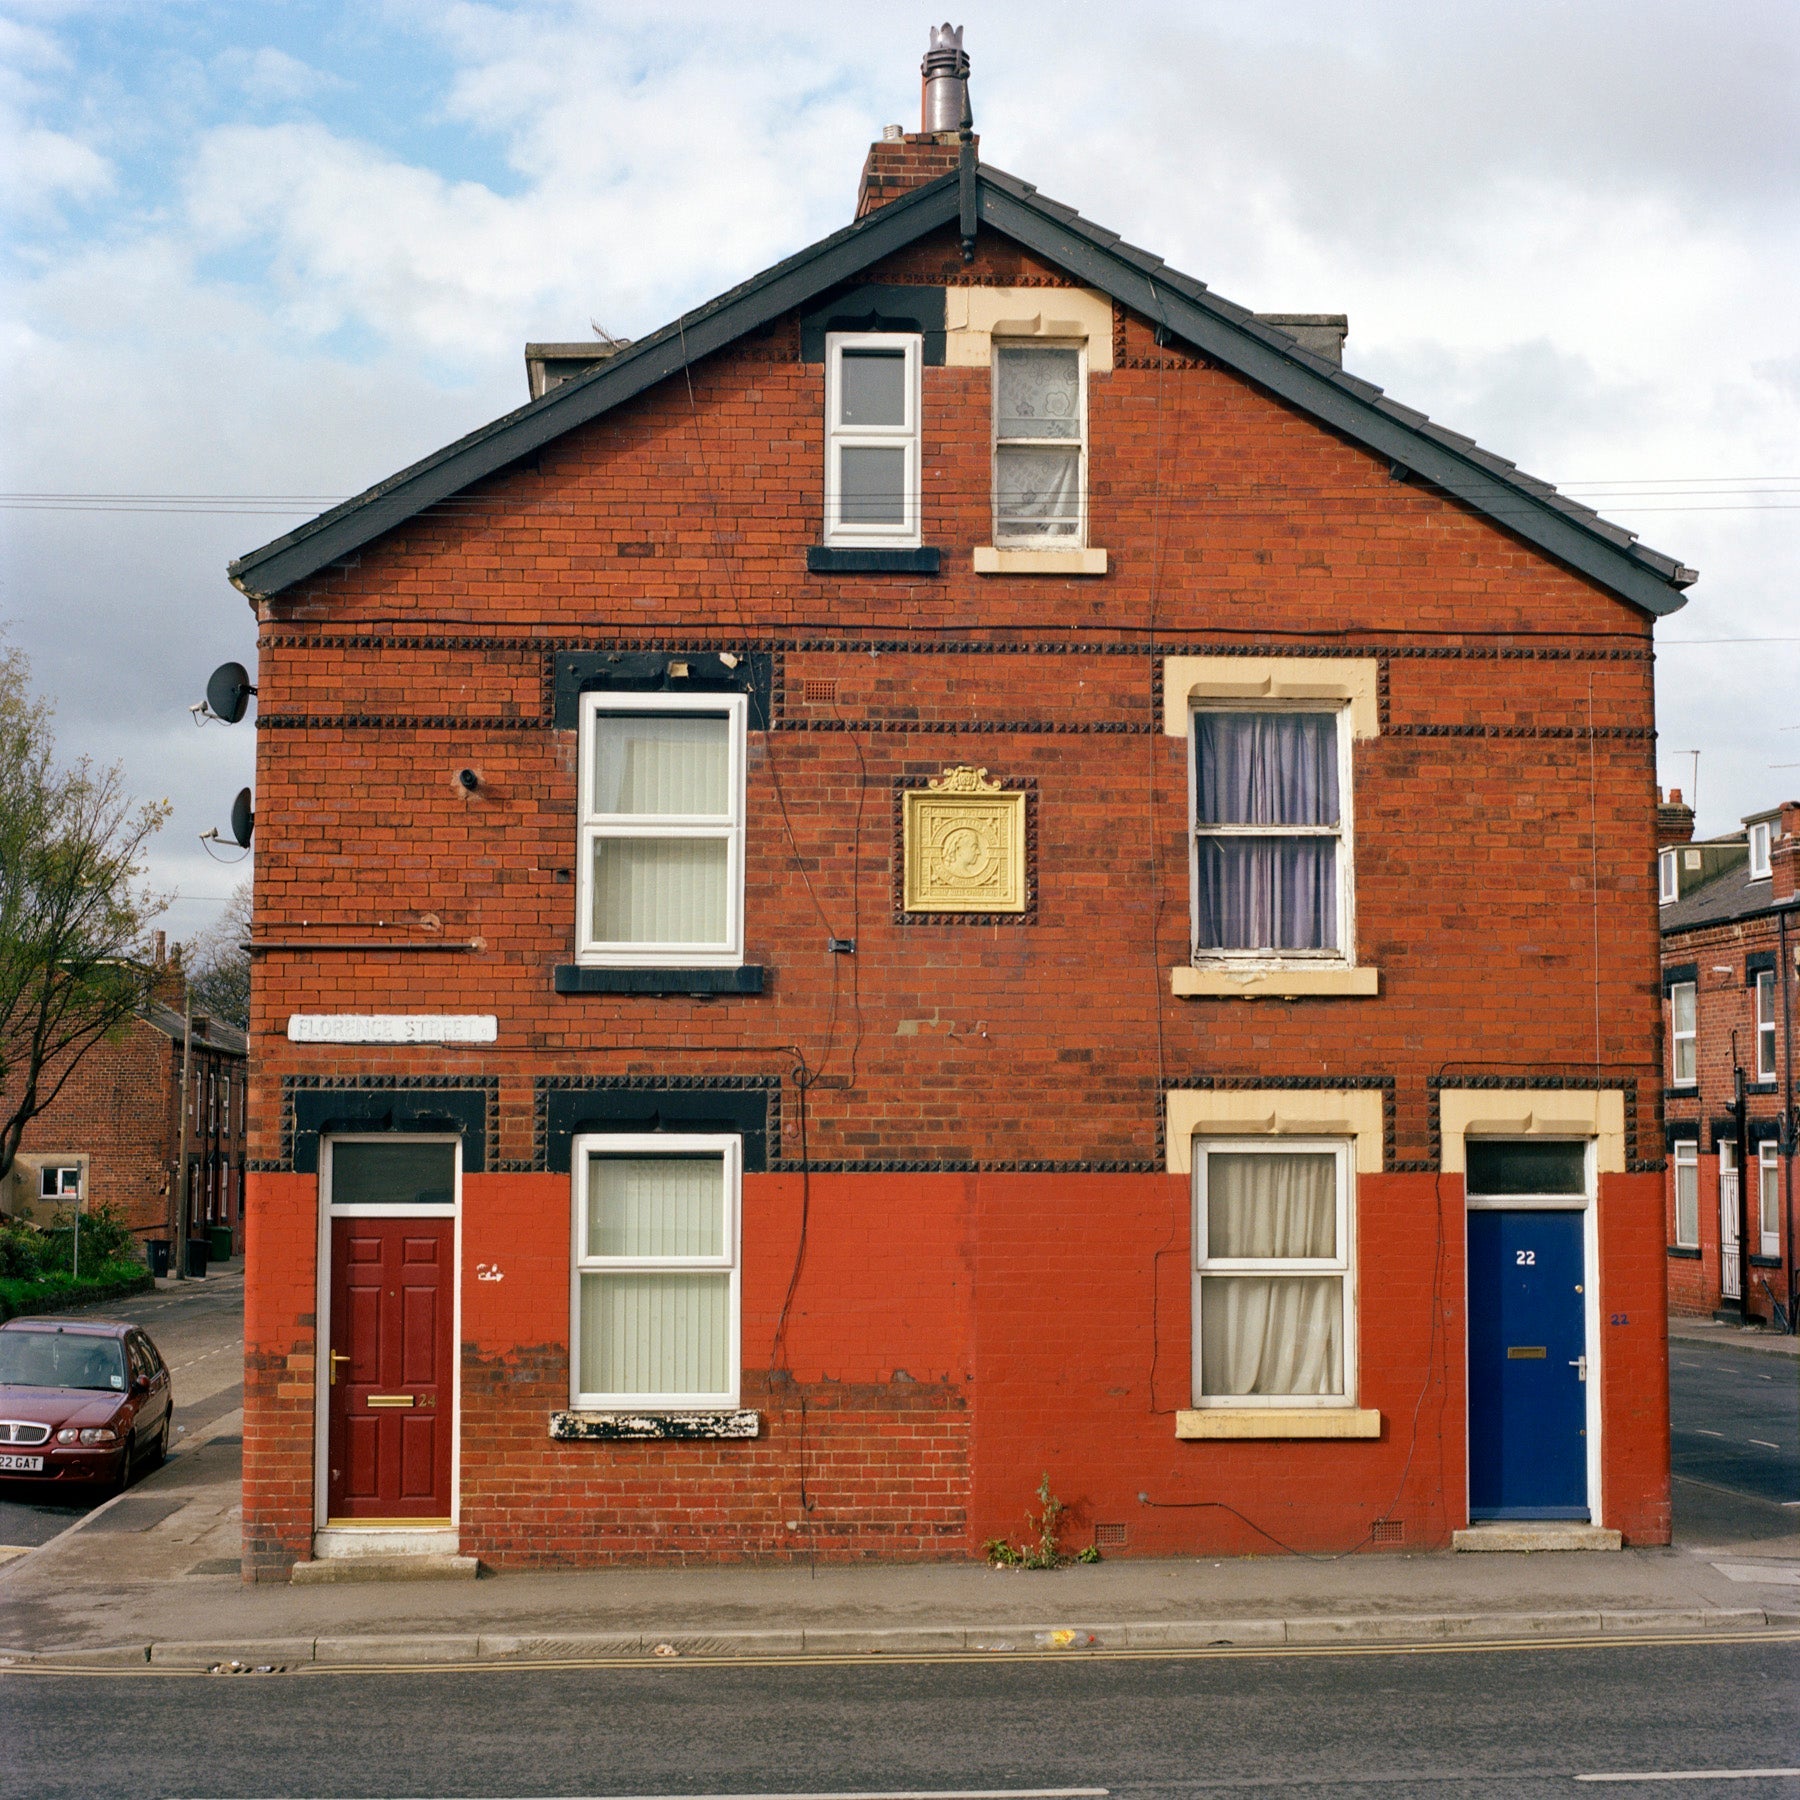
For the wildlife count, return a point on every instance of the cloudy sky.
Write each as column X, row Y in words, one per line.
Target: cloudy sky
column 257, row 256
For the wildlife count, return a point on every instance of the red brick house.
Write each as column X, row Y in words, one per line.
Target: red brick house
column 968, row 862
column 1729, row 909
column 112, row 1136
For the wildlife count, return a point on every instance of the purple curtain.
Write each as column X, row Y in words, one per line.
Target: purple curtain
column 1266, row 768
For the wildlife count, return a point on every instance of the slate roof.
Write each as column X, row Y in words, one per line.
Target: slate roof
column 1223, row 331
column 209, row 1034
column 1727, row 897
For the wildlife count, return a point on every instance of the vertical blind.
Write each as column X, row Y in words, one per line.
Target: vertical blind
column 663, row 888
column 646, row 1330
column 1260, row 889
column 1271, row 1333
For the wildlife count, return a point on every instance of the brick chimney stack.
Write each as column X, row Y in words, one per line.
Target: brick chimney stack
column 1784, row 854
column 1674, row 820
column 901, row 160
column 168, row 983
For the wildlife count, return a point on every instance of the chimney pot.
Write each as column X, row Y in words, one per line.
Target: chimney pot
column 945, row 72
column 893, row 134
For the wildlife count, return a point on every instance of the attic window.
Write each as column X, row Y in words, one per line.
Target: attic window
column 1759, row 851
column 1668, row 878
column 872, row 439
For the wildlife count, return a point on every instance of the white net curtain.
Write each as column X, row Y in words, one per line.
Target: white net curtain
column 1270, row 1333
column 1261, row 889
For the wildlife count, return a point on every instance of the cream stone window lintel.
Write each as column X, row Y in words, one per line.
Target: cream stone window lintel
column 1272, row 1112
column 1278, row 1422
column 1354, row 679
column 1597, row 1113
column 975, row 316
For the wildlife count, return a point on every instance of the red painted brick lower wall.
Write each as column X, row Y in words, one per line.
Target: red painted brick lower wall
column 951, row 1338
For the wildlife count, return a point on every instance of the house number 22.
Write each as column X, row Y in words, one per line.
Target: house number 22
column 1527, row 1259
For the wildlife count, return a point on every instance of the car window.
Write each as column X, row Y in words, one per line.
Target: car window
column 61, row 1359
column 139, row 1352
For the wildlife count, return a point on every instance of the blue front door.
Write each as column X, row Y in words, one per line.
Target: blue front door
column 1527, row 1366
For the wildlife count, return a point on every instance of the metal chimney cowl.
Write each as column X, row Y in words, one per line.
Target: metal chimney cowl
column 946, row 77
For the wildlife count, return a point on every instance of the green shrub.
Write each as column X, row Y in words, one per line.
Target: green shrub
column 20, row 1249
column 104, row 1239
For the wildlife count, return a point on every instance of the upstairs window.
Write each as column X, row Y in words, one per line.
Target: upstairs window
column 662, row 830
column 1759, row 851
column 1668, row 878
column 1271, row 834
column 1040, row 444
column 1683, row 1070
column 1765, row 1025
column 872, row 402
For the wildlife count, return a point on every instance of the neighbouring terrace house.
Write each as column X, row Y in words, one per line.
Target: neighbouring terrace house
column 969, row 863
column 1729, row 909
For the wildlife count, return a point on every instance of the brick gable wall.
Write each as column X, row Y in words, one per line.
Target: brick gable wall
column 1514, row 764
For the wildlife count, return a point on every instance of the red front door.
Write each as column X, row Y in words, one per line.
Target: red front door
column 389, row 1383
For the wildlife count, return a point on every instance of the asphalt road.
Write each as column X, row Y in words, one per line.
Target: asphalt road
column 1475, row 1723
column 1735, row 1419
column 199, row 1328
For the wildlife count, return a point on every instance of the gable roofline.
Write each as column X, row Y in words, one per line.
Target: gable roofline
column 1224, row 332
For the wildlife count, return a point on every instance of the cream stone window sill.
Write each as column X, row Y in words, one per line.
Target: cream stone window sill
column 1278, row 1422
column 1275, row 984
column 990, row 560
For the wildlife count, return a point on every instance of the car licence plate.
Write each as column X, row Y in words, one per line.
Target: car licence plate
column 23, row 1465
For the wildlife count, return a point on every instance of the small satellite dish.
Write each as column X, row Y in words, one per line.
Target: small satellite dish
column 228, row 691
column 243, row 818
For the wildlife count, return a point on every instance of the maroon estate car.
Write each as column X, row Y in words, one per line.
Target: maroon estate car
column 81, row 1400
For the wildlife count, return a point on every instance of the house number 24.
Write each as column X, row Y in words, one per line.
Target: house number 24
column 1526, row 1258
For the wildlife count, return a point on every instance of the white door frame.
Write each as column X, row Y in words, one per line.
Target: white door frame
column 328, row 1211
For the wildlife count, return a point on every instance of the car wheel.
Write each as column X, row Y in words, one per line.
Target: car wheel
column 158, row 1453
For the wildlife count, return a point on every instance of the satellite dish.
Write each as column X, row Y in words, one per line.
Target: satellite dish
column 243, row 818
column 228, row 691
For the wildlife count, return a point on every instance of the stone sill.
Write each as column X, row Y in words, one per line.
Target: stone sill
column 833, row 559
column 1275, row 984
column 606, row 1428
column 1688, row 1251
column 990, row 560
column 1278, row 1422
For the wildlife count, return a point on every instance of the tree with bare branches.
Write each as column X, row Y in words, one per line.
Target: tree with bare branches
column 218, row 963
column 73, row 911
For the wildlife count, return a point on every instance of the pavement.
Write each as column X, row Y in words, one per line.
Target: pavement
column 152, row 1577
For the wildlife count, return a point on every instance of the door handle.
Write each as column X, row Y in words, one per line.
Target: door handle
column 1579, row 1364
column 335, row 1357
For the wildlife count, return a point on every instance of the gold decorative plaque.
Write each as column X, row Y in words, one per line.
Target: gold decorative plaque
column 965, row 845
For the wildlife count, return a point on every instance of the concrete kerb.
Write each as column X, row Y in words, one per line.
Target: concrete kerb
column 1393, row 1631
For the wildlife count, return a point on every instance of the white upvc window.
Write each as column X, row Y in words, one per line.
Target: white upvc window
column 1040, row 444
column 62, row 1182
column 1759, row 851
column 661, row 872
column 1765, row 1025
column 654, row 1306
column 1274, row 1285
column 1668, row 878
column 1271, row 871
column 1687, row 1194
column 1768, row 1196
column 872, row 405
column 1683, row 1069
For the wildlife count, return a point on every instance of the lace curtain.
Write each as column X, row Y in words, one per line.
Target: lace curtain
column 1037, row 407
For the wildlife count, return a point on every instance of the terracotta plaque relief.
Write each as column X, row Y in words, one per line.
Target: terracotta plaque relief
column 965, row 845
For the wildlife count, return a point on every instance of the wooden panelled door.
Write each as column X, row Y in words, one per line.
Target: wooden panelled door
column 390, row 1398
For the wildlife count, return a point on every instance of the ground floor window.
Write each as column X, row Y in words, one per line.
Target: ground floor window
column 1273, row 1307
column 655, row 1299
column 1768, row 1196
column 1687, row 1195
